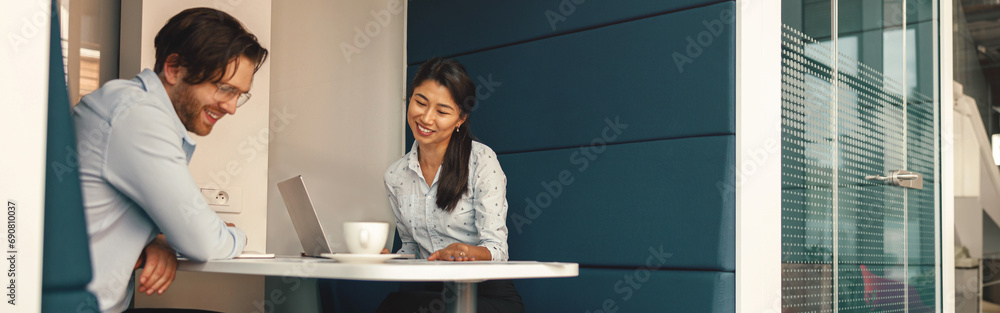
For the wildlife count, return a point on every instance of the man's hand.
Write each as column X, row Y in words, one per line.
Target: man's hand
column 161, row 266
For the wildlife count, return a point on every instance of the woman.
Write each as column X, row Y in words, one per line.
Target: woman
column 448, row 192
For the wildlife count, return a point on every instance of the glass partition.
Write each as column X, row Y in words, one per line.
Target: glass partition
column 858, row 105
column 808, row 136
column 922, row 218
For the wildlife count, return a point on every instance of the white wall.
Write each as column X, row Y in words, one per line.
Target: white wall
column 970, row 179
column 233, row 155
column 969, row 214
column 22, row 165
column 977, row 180
column 967, row 151
column 344, row 114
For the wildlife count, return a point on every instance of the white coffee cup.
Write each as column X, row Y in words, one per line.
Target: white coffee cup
column 365, row 237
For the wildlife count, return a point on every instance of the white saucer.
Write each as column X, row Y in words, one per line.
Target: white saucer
column 360, row 258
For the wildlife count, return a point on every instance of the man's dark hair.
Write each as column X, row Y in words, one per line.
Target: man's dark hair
column 205, row 41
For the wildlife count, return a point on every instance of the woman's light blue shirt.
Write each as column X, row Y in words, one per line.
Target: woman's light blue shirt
column 479, row 219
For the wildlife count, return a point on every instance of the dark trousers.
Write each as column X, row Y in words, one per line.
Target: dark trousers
column 495, row 296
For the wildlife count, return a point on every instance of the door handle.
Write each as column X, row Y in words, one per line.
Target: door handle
column 901, row 178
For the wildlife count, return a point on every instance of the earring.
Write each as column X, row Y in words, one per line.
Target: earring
column 456, row 129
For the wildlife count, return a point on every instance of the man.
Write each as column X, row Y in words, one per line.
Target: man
column 140, row 199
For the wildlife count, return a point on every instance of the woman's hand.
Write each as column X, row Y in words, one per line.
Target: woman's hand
column 457, row 252
column 460, row 252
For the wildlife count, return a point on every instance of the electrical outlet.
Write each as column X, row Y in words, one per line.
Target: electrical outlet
column 224, row 200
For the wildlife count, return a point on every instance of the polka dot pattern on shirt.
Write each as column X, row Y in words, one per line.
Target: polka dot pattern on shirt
column 424, row 228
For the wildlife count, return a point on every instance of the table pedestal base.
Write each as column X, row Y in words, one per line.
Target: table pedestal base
column 466, row 294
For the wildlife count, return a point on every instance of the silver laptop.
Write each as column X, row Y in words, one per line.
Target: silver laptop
column 304, row 218
column 314, row 238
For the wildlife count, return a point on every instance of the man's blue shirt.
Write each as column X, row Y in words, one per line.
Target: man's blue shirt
column 133, row 152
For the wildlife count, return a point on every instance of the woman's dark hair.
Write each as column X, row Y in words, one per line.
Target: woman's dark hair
column 454, row 180
column 205, row 41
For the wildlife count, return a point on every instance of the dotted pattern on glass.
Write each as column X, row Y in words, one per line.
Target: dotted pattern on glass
column 921, row 231
column 871, row 120
column 875, row 133
column 807, row 177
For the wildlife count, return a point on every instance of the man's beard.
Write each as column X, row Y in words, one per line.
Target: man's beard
column 189, row 110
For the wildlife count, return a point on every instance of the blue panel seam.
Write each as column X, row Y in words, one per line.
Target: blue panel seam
column 614, row 143
column 578, row 30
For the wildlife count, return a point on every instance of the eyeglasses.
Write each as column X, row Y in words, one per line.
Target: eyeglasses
column 227, row 92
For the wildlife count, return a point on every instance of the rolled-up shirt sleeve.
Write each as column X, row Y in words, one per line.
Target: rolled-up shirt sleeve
column 490, row 204
column 409, row 245
column 147, row 163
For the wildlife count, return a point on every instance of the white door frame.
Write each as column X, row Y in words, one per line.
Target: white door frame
column 946, row 129
column 758, row 156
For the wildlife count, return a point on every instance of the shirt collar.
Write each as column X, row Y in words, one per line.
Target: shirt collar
column 151, row 82
column 413, row 160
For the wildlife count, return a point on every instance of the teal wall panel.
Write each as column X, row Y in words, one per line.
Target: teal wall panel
column 615, row 127
column 452, row 27
column 610, row 208
column 66, row 264
column 562, row 91
column 632, row 290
